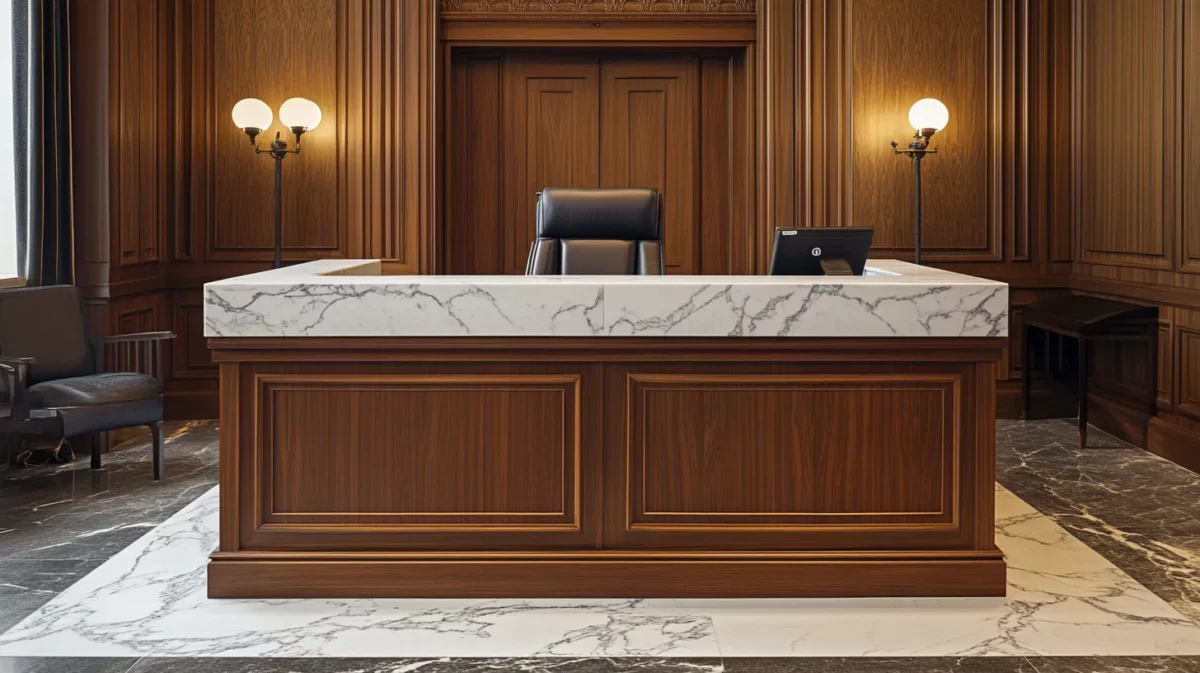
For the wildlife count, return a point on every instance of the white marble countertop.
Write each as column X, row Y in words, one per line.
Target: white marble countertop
column 350, row 298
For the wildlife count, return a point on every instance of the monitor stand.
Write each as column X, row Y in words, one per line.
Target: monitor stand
column 836, row 266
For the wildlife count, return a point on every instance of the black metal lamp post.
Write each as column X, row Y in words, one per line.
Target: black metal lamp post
column 927, row 116
column 253, row 116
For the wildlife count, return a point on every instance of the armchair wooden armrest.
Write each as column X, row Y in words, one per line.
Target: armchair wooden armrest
column 16, row 371
column 141, row 352
column 140, row 336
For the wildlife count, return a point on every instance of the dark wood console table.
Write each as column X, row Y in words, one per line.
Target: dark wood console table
column 1089, row 319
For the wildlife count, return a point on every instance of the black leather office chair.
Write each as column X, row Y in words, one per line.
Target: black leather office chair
column 597, row 232
column 54, row 379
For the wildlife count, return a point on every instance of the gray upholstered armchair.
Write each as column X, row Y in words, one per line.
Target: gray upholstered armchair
column 53, row 379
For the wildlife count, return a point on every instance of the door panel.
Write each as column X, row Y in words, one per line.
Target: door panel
column 648, row 126
column 552, row 138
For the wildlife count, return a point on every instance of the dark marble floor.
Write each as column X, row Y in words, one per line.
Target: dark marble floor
column 1142, row 513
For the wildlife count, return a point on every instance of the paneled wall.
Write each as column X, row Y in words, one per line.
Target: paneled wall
column 1136, row 93
column 845, row 73
column 1062, row 166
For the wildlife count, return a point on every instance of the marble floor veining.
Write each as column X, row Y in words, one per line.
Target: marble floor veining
column 1102, row 543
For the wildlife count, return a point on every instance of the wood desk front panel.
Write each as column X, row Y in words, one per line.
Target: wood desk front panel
column 390, row 451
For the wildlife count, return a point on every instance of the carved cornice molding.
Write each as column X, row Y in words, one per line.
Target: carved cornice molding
column 600, row 6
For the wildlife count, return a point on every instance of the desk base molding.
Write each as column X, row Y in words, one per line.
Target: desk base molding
column 603, row 577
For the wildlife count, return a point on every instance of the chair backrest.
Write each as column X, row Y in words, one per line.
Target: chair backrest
column 47, row 323
column 614, row 231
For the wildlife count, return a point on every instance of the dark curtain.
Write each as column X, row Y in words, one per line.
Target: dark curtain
column 51, row 227
column 20, row 80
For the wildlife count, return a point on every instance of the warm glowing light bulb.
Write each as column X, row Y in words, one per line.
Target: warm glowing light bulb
column 300, row 113
column 928, row 113
column 251, row 113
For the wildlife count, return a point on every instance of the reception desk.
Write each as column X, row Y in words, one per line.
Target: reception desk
column 670, row 436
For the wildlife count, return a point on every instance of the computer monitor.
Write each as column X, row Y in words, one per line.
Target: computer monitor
column 820, row 251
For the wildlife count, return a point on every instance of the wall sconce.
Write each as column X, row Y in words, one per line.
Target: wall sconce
column 927, row 116
column 253, row 116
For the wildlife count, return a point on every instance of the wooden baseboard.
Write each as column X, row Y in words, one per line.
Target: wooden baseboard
column 1174, row 442
column 1118, row 418
column 607, row 578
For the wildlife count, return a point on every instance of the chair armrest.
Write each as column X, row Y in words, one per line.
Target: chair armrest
column 133, row 338
column 16, row 371
column 141, row 352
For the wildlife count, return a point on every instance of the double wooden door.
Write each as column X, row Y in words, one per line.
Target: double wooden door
column 521, row 122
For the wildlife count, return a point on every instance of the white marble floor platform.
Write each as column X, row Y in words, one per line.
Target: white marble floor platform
column 149, row 600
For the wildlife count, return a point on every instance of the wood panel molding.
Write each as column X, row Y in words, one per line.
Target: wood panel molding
column 597, row 6
column 515, row 439
column 1126, row 62
column 663, row 437
column 139, row 123
column 1187, row 344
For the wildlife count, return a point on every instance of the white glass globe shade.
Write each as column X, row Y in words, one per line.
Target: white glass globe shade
column 251, row 113
column 300, row 112
column 928, row 113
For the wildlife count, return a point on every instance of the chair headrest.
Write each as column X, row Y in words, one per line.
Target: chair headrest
column 619, row 213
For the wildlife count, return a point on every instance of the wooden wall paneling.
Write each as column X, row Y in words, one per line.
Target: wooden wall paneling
column 1058, row 183
column 474, row 199
column 245, row 65
column 551, row 138
column 1189, row 72
column 649, row 131
column 139, row 79
column 780, row 45
column 418, row 130
column 721, row 239
column 1018, row 85
column 1166, row 358
column 1187, row 355
column 1125, row 66
column 964, row 196
column 190, row 357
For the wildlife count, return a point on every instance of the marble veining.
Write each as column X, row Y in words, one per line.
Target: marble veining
column 1138, row 510
column 350, row 298
column 149, row 600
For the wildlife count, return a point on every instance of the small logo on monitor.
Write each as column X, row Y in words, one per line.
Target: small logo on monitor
column 816, row 252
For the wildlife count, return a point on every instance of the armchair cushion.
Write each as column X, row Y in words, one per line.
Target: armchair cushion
column 83, row 391
column 87, row 404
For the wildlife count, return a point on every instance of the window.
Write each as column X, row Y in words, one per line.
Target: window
column 8, row 211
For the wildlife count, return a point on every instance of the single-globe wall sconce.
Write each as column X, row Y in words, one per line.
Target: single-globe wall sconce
column 254, row 116
column 927, row 116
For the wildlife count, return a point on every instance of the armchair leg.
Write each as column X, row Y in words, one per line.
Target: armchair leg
column 156, row 437
column 11, row 446
column 99, row 441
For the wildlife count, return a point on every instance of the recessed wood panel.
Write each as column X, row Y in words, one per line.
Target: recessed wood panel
column 475, row 241
column 245, row 65
column 450, row 449
column 1188, row 340
column 648, row 131
column 888, row 71
column 725, row 450
column 1190, row 147
column 190, row 357
column 1124, row 71
column 139, row 128
column 552, row 138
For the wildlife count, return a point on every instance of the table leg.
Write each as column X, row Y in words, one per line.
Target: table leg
column 1083, row 392
column 1026, row 370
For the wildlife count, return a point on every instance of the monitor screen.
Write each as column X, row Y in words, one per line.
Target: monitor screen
column 799, row 252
